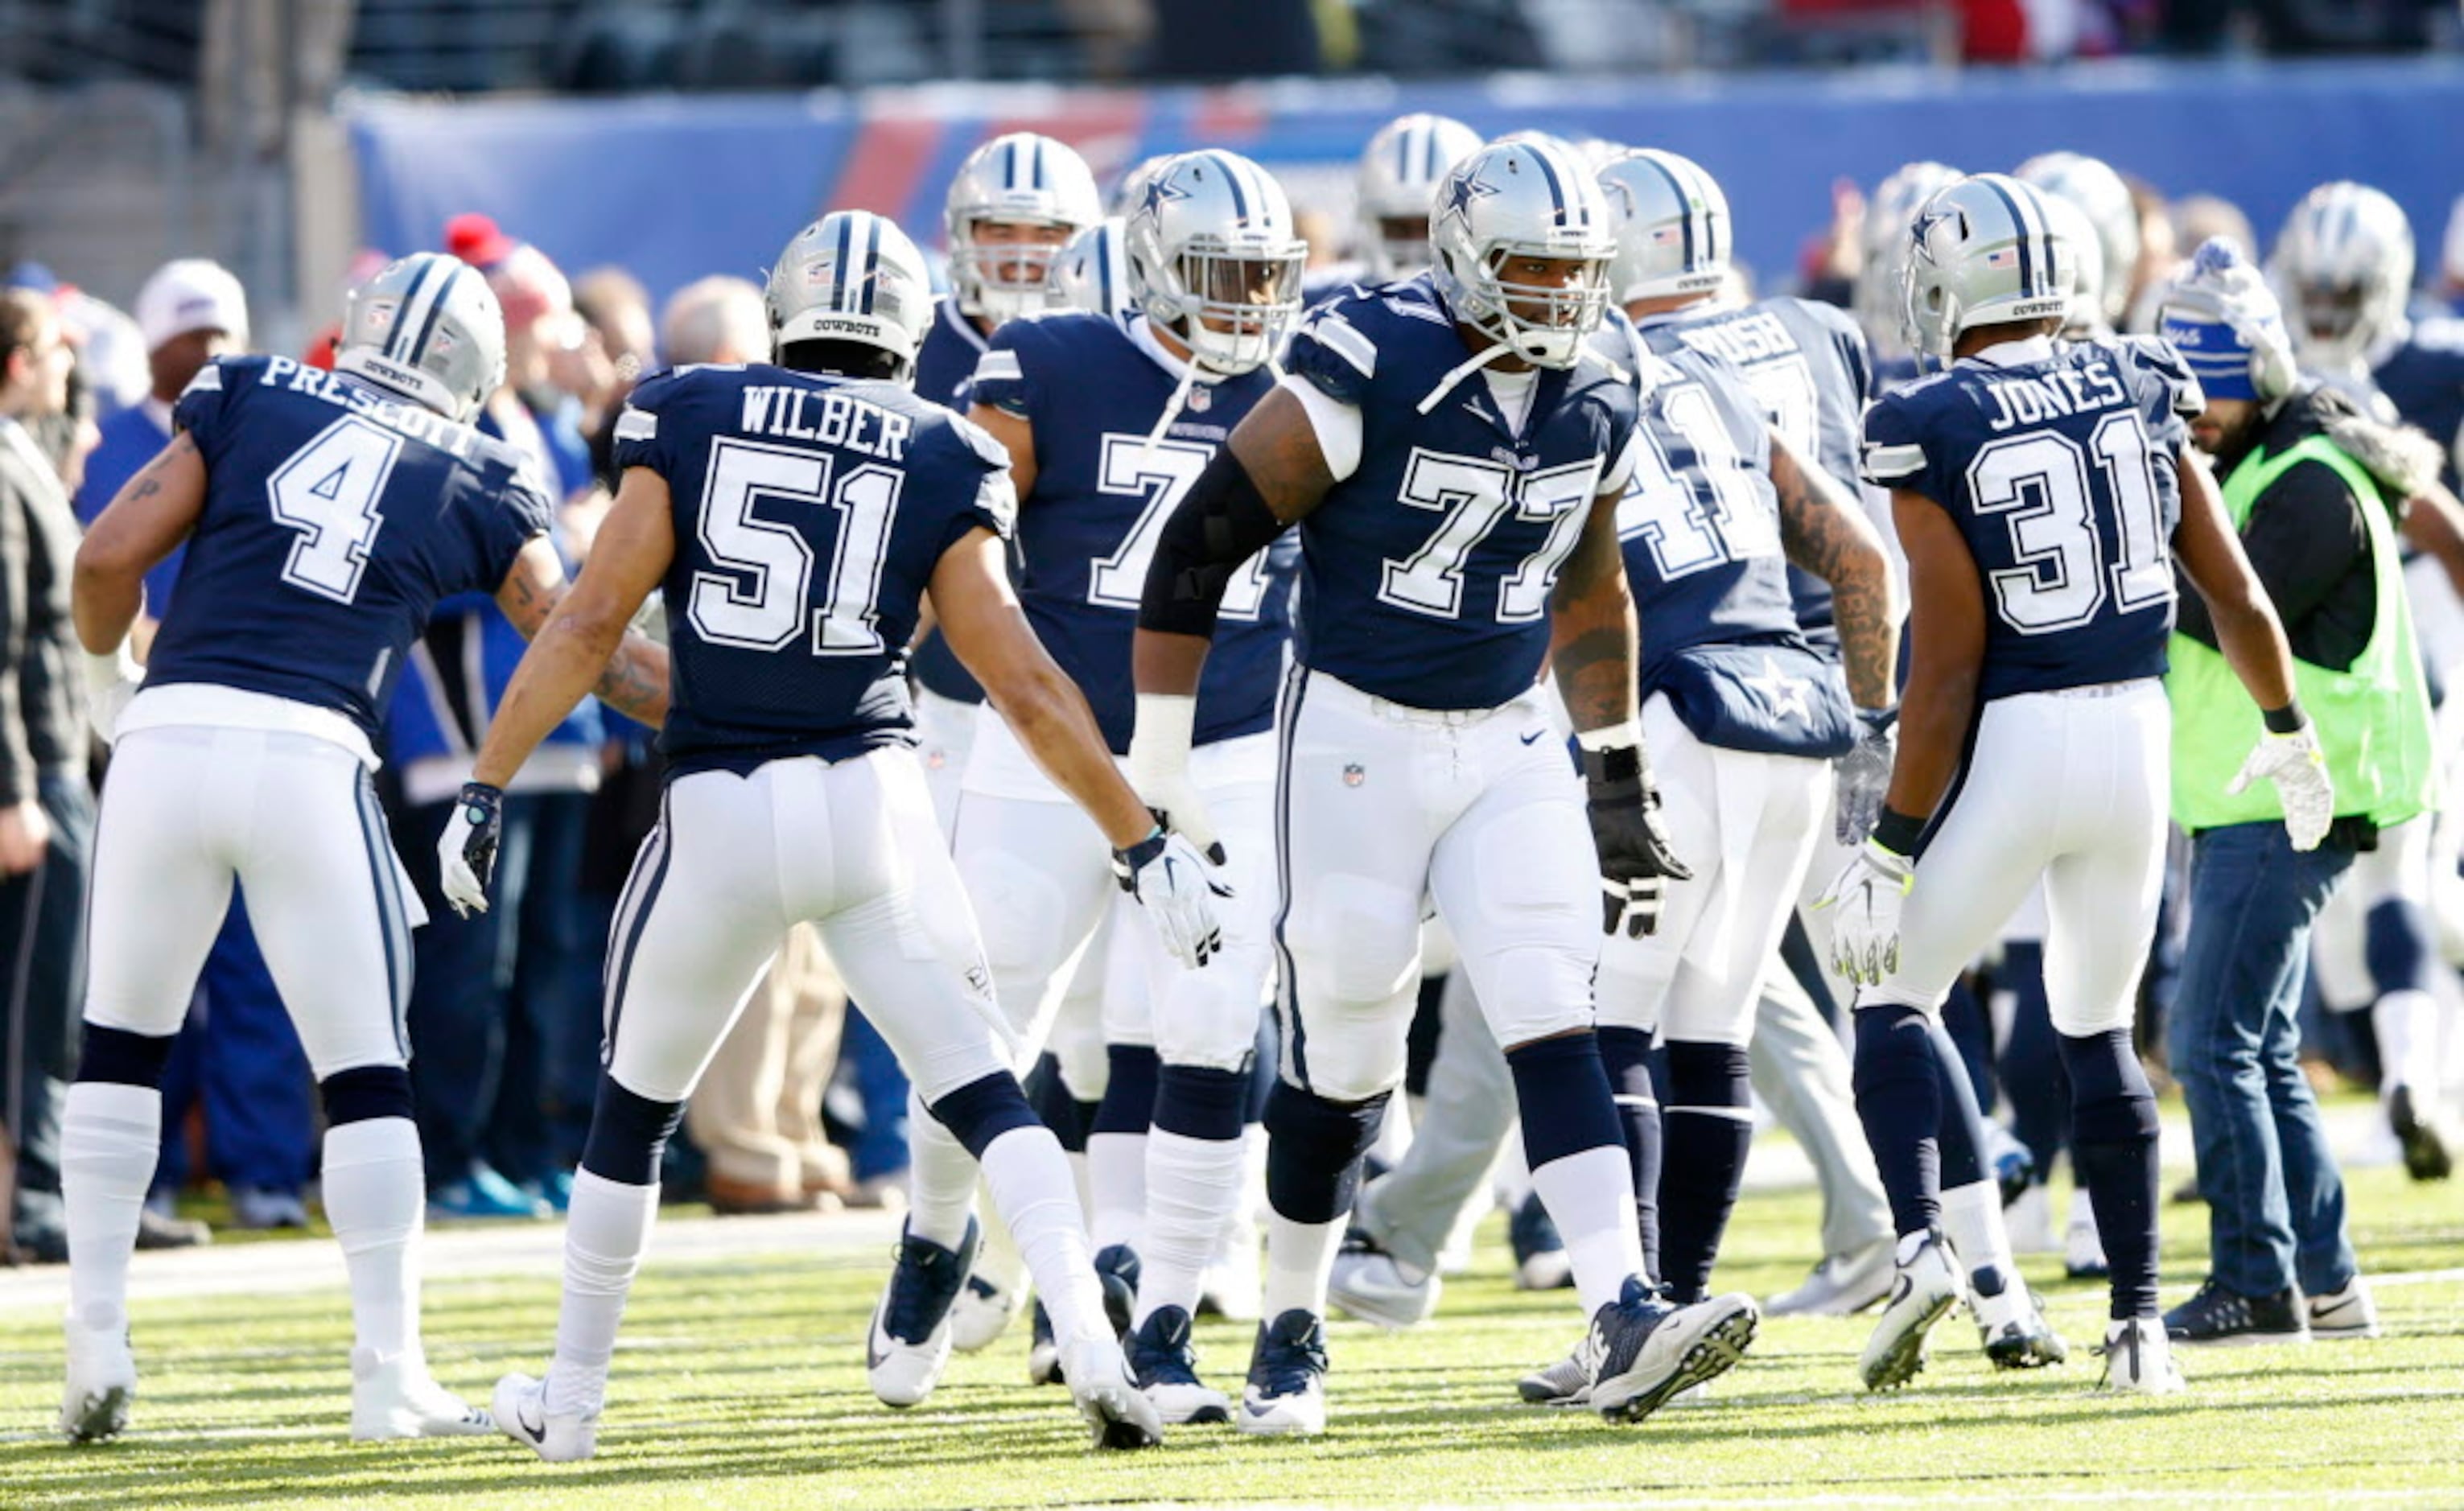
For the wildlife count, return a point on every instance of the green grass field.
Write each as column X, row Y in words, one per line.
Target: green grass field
column 739, row 1384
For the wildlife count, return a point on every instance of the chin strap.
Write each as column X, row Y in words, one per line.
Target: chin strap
column 1462, row 370
column 1171, row 408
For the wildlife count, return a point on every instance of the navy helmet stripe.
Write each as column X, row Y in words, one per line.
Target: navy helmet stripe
column 1035, row 165
column 1429, row 153
column 872, row 260
column 1548, row 171
column 1009, row 164
column 2018, row 219
column 1223, row 161
column 1103, row 270
column 846, row 252
column 399, row 336
column 435, row 309
column 1685, row 216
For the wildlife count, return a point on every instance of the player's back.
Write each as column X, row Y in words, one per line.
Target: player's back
column 811, row 513
column 1425, row 574
column 2056, row 462
column 334, row 517
column 951, row 347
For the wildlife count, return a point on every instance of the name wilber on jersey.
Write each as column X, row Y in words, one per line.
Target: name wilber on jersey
column 2051, row 395
column 835, row 419
column 420, row 425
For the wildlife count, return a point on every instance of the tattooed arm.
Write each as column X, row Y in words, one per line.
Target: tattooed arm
column 578, row 640
column 1826, row 532
column 1592, row 634
column 153, row 512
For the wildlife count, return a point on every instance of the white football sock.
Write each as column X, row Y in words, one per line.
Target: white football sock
column 1194, row 1187
column 1116, row 1181
column 376, row 1198
column 2405, row 1022
column 110, row 1134
column 1590, row 1197
column 1030, row 1184
column 606, row 1227
column 941, row 1179
column 1971, row 1219
column 1300, row 1260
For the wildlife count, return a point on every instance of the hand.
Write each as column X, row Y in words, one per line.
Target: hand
column 1867, row 896
column 466, row 856
column 1636, row 861
column 1861, row 777
column 1174, row 883
column 1160, row 768
column 25, row 836
column 2293, row 762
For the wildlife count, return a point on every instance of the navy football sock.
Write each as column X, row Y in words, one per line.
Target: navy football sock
column 1709, row 1127
column 1899, row 1100
column 2113, row 1146
column 1626, row 1052
column 2032, row 1074
column 1961, row 1132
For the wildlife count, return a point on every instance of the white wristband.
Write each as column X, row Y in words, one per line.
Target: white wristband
column 1611, row 736
column 1159, row 746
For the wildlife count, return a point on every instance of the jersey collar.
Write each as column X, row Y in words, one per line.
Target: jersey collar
column 2015, row 354
column 1142, row 336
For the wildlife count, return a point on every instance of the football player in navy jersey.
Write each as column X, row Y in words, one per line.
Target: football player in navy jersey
column 323, row 515
column 1453, row 459
column 1015, row 202
column 1106, row 425
column 793, row 516
column 2044, row 494
column 1743, row 714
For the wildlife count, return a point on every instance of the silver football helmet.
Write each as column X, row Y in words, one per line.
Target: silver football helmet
column 1672, row 227
column 430, row 329
column 2087, row 318
column 1880, row 297
column 852, row 276
column 1515, row 199
column 2343, row 268
column 1214, row 259
column 1020, row 179
column 2100, row 196
column 1983, row 252
column 1092, row 272
column 1399, row 173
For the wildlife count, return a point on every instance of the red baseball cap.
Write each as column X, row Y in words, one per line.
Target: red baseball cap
column 474, row 238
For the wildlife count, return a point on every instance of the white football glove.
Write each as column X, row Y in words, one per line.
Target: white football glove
column 1160, row 768
column 110, row 682
column 2293, row 762
column 466, row 854
column 1177, row 888
column 1866, row 897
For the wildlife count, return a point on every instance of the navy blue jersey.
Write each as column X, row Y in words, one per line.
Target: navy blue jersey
column 2057, row 467
column 811, row 513
column 334, row 517
column 1807, row 365
column 951, row 347
column 1700, row 525
column 1093, row 389
column 1425, row 574
column 2423, row 379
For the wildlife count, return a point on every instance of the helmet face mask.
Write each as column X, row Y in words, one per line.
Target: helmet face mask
column 2343, row 267
column 1502, row 214
column 851, row 276
column 428, row 328
column 1014, row 201
column 1399, row 172
column 1214, row 260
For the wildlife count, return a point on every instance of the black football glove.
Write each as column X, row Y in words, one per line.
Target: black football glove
column 1636, row 861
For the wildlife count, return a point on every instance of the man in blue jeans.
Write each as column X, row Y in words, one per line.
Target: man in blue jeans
column 2314, row 491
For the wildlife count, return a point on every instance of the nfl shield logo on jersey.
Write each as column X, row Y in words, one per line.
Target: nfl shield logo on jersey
column 1353, row 775
column 1201, row 399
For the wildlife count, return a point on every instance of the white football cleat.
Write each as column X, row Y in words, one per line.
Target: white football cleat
column 522, row 1410
column 1923, row 1289
column 2138, row 1358
column 101, row 1382
column 1841, row 1285
column 1112, row 1402
column 395, row 1398
column 907, row 1345
column 1566, row 1382
column 1643, row 1350
column 1370, row 1284
column 1285, row 1393
column 983, row 1311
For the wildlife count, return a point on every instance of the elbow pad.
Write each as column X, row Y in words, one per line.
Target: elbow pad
column 1221, row 523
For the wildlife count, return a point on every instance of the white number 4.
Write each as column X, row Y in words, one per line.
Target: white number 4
column 328, row 493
